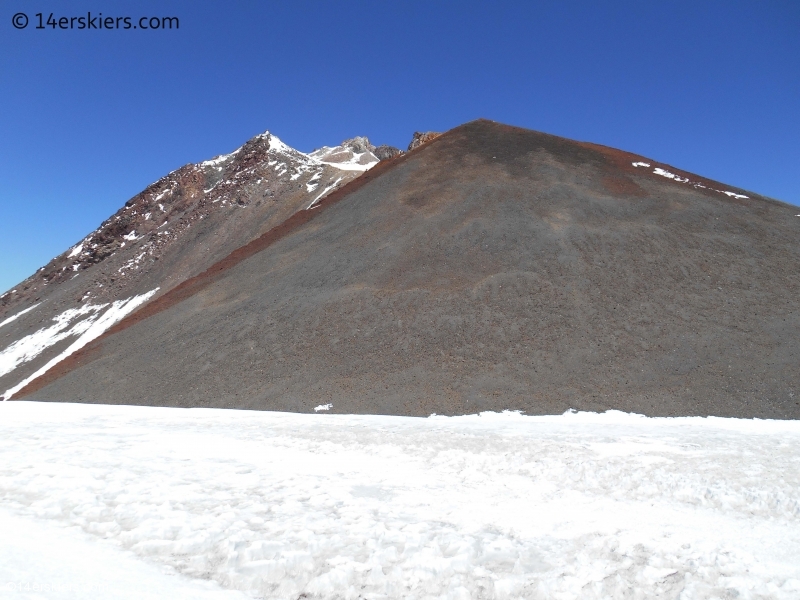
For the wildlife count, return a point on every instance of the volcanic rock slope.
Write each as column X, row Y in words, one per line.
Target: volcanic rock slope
column 489, row 268
column 174, row 229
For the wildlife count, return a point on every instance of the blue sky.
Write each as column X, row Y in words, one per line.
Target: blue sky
column 88, row 118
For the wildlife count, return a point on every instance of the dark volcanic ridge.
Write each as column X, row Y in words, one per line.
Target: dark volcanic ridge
column 490, row 268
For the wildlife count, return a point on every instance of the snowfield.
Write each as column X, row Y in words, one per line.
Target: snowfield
column 143, row 502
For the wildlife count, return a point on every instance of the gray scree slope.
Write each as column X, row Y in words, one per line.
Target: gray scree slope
column 492, row 268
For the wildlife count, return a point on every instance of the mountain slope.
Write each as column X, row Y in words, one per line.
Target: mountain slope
column 491, row 268
column 170, row 232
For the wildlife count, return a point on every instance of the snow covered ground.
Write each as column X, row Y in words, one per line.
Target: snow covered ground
column 158, row 502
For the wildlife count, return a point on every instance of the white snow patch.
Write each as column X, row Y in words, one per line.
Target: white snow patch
column 75, row 251
column 279, row 505
column 323, row 407
column 30, row 346
column 13, row 318
column 344, row 158
column 351, row 166
column 276, row 145
column 130, row 236
column 668, row 175
column 641, row 164
column 162, row 194
column 88, row 329
column 733, row 194
column 325, row 191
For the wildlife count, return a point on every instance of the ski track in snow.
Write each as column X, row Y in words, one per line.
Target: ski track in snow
column 276, row 505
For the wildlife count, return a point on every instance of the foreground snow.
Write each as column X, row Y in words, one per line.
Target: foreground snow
column 202, row 503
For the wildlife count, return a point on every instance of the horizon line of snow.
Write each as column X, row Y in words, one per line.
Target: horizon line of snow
column 118, row 310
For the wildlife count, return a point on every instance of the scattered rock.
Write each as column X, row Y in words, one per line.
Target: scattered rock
column 422, row 138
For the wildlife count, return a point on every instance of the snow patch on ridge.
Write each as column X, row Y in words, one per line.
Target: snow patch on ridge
column 669, row 175
column 276, row 145
column 679, row 179
column 220, row 159
column 88, row 329
column 322, row 194
column 733, row 194
column 344, row 159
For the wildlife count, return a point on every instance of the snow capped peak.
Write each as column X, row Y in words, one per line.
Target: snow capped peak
column 276, row 145
column 354, row 154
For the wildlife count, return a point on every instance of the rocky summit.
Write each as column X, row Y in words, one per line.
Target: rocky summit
column 487, row 268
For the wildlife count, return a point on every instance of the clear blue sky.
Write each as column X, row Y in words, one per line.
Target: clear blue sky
column 90, row 117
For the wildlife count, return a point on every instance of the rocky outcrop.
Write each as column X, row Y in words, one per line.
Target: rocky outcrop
column 358, row 144
column 422, row 138
column 387, row 152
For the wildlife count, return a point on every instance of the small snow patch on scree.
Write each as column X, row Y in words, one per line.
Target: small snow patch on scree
column 641, row 164
column 88, row 329
column 669, row 175
column 323, row 407
column 19, row 314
